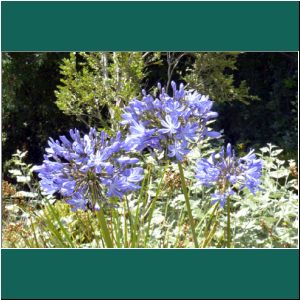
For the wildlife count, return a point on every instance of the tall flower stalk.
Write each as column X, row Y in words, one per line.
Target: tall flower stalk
column 172, row 125
column 188, row 205
column 228, row 224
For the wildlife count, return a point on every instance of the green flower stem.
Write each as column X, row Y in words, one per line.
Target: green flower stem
column 211, row 234
column 187, row 202
column 228, row 224
column 104, row 229
column 213, row 219
column 125, row 229
column 135, row 233
column 152, row 206
column 101, row 219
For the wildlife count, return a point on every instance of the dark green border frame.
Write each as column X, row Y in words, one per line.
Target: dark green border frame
column 145, row 26
column 150, row 26
column 149, row 274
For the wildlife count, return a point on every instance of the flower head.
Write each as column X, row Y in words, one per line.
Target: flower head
column 228, row 173
column 167, row 123
column 86, row 166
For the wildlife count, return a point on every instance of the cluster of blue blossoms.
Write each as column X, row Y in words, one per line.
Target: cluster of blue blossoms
column 86, row 170
column 228, row 173
column 85, row 165
column 168, row 123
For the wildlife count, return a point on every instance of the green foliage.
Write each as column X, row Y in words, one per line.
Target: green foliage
column 157, row 217
column 21, row 172
column 213, row 74
column 95, row 86
column 269, row 219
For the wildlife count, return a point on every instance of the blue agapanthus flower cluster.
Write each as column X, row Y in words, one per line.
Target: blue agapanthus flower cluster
column 87, row 164
column 167, row 123
column 229, row 173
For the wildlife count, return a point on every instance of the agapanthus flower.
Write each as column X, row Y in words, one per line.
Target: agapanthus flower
column 87, row 166
column 170, row 124
column 228, row 173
